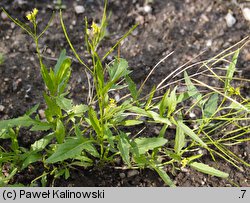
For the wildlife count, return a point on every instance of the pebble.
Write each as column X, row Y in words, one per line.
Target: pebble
column 12, row 25
column 41, row 112
column 230, row 19
column 79, row 9
column 21, row 2
column 246, row 13
column 4, row 16
column 117, row 97
column 147, row 9
column 209, row 43
column 192, row 115
column 122, row 175
column 17, row 84
column 132, row 173
column 2, row 108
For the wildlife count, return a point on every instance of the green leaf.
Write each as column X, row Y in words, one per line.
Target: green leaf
column 192, row 90
column 164, row 176
column 94, row 121
column 123, row 146
column 132, row 122
column 99, row 73
column 78, row 110
column 62, row 74
column 179, row 139
column 60, row 131
column 70, row 149
column 191, row 158
column 119, row 69
column 53, row 109
column 157, row 118
column 139, row 111
column 151, row 95
column 190, row 133
column 173, row 155
column 60, row 61
column 40, row 144
column 23, row 121
column 147, row 143
column 208, row 170
column 164, row 103
column 163, row 130
column 64, row 103
column 172, row 102
column 31, row 158
column 91, row 150
column 132, row 87
column 109, row 136
column 211, row 105
column 41, row 126
column 47, row 79
column 32, row 110
column 231, row 69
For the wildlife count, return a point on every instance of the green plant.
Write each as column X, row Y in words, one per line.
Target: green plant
column 91, row 133
column 1, row 58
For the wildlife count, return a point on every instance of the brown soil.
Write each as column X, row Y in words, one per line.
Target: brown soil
column 187, row 27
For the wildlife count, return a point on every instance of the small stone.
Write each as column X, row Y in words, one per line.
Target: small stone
column 2, row 108
column 32, row 58
column 21, row 2
column 122, row 175
column 41, row 113
column 4, row 16
column 17, row 84
column 192, row 115
column 230, row 19
column 117, row 97
column 185, row 170
column 79, row 9
column 246, row 13
column 12, row 25
column 49, row 51
column 132, row 173
column 74, row 22
column 209, row 43
column 147, row 9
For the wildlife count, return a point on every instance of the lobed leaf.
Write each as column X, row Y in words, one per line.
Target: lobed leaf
column 179, row 139
column 190, row 133
column 70, row 149
column 132, row 88
column 60, row 131
column 211, row 105
column 192, row 90
column 147, row 143
column 124, row 147
column 231, row 69
column 164, row 176
column 208, row 170
column 94, row 121
column 40, row 144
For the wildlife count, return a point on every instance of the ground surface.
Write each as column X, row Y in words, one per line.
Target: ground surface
column 187, row 27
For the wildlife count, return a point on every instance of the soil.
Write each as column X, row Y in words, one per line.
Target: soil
column 186, row 27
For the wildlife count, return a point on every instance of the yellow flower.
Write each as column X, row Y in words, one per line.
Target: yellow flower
column 96, row 29
column 184, row 162
column 112, row 103
column 32, row 15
